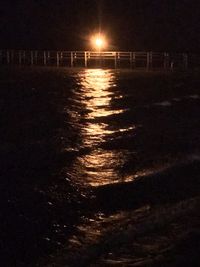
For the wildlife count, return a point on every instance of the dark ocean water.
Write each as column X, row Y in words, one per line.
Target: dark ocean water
column 66, row 132
column 126, row 125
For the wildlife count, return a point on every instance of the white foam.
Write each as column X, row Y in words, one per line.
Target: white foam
column 193, row 157
column 176, row 99
column 194, row 96
column 164, row 104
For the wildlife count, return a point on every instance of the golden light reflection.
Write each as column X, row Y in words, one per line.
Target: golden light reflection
column 97, row 88
column 100, row 166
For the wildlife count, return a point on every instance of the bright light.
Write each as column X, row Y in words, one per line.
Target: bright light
column 98, row 42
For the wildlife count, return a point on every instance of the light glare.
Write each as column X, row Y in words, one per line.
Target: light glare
column 98, row 42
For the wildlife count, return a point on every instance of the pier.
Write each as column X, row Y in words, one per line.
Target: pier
column 104, row 59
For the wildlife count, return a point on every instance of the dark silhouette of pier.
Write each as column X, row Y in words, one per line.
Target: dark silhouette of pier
column 104, row 59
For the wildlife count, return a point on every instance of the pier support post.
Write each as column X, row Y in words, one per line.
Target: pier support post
column 48, row 57
column 45, row 58
column 131, row 59
column 20, row 57
column 1, row 57
column 86, row 63
column 24, row 57
column 185, row 61
column 32, row 58
column 151, row 60
column 115, row 60
column 100, row 59
column 12, row 56
column 72, row 59
column 36, row 57
column 61, row 58
column 8, row 56
column 166, row 61
column 57, row 59
column 148, row 61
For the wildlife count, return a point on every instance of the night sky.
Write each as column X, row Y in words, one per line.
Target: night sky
column 158, row 25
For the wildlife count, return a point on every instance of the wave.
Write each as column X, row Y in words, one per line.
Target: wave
column 174, row 183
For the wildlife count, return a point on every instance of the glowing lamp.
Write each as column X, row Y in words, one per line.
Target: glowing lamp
column 98, row 42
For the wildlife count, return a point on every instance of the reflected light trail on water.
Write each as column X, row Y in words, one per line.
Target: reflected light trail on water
column 97, row 86
column 98, row 166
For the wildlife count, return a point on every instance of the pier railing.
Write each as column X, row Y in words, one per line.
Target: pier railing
column 111, row 59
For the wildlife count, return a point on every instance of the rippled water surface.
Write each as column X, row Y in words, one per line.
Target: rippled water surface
column 65, row 133
column 93, row 113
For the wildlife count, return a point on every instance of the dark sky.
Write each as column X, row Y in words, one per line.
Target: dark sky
column 130, row 24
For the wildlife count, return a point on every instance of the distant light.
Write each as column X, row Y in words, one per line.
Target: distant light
column 98, row 42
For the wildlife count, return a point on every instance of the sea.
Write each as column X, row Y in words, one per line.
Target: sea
column 66, row 133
